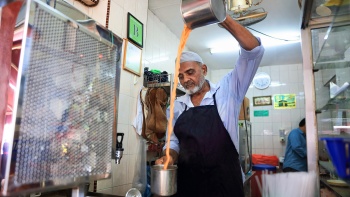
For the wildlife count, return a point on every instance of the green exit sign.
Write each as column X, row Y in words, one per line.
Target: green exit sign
column 135, row 30
column 261, row 113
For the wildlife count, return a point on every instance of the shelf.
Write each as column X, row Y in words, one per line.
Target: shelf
column 342, row 98
column 164, row 81
column 332, row 64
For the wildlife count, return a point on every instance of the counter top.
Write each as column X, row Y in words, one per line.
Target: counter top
column 341, row 191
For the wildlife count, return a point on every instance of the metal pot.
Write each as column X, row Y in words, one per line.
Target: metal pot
column 164, row 182
column 198, row 13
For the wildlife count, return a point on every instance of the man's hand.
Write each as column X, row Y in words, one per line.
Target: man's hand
column 162, row 160
column 172, row 158
column 246, row 39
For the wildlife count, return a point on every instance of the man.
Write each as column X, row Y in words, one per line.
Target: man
column 295, row 159
column 205, row 136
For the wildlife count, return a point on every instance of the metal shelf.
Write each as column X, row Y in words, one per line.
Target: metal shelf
column 163, row 80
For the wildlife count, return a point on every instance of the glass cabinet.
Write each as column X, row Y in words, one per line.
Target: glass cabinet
column 325, row 38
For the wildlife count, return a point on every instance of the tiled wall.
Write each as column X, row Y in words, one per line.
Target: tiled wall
column 265, row 130
column 159, row 52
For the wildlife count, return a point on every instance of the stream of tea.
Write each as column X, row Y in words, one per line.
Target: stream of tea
column 185, row 33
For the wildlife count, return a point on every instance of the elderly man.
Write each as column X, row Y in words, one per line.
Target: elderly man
column 205, row 136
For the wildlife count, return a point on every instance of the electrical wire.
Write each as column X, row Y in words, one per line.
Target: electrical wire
column 269, row 35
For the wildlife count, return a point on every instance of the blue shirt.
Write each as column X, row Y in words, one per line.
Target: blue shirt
column 295, row 156
column 230, row 92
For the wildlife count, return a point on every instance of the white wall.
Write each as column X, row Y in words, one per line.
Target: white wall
column 159, row 42
column 265, row 130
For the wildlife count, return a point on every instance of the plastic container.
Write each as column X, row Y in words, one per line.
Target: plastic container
column 339, row 151
column 259, row 170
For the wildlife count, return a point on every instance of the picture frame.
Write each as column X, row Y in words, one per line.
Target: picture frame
column 132, row 58
column 135, row 30
column 262, row 101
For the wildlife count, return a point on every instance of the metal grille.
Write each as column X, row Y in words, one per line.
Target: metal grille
column 67, row 103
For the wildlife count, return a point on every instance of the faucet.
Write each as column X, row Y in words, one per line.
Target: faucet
column 119, row 149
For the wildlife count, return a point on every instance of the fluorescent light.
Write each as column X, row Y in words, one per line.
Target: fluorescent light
column 267, row 42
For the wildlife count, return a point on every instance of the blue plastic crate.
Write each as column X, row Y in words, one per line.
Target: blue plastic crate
column 339, row 151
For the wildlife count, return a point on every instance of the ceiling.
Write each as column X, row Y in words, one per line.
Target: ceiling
column 283, row 21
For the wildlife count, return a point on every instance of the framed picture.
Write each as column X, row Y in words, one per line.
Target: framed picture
column 135, row 30
column 284, row 101
column 262, row 100
column 132, row 58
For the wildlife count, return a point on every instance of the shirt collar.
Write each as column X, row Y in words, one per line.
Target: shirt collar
column 187, row 99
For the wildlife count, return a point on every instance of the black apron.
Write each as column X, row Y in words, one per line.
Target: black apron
column 208, row 163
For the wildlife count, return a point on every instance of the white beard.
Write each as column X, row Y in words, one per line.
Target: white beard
column 196, row 88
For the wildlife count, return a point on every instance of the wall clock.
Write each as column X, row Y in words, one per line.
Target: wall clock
column 261, row 80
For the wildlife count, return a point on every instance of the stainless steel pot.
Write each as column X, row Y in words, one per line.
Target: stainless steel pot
column 163, row 182
column 198, row 13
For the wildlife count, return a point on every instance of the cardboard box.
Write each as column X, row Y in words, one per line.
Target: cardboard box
column 244, row 113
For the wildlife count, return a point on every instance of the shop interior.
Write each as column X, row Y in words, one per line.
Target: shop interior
column 78, row 114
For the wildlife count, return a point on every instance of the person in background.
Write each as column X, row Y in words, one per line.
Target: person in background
column 205, row 137
column 295, row 158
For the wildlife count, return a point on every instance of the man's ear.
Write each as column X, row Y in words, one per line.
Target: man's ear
column 204, row 69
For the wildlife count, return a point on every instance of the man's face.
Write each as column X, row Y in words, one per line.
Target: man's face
column 192, row 76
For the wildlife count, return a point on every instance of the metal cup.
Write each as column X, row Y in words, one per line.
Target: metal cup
column 198, row 13
column 163, row 182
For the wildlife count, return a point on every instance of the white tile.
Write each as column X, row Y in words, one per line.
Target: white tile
column 284, row 77
column 293, row 67
column 294, row 88
column 258, row 128
column 278, row 152
column 275, row 75
column 268, row 143
column 104, row 184
column 253, row 150
column 267, row 119
column 295, row 115
column 276, row 127
column 276, row 142
column 258, row 141
column 116, row 19
column 120, row 173
column 269, row 151
column 276, row 116
column 123, row 109
column 130, row 6
column 293, row 76
column 119, row 2
column 131, row 168
column 133, row 141
column 141, row 11
column 274, row 69
column 125, row 81
column 106, row 191
column 259, row 151
column 132, row 110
